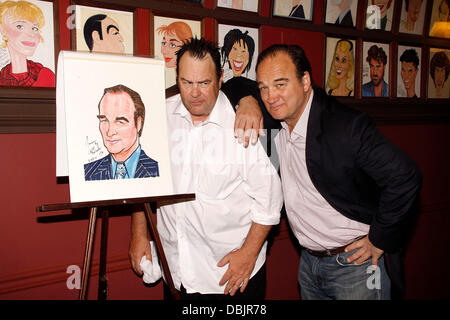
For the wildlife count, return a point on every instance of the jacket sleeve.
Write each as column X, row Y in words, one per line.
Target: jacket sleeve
column 397, row 176
column 239, row 87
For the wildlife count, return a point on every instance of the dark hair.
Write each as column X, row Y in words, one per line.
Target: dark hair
column 92, row 24
column 295, row 52
column 377, row 54
column 139, row 108
column 406, row 5
column 410, row 55
column 198, row 49
column 440, row 60
column 236, row 36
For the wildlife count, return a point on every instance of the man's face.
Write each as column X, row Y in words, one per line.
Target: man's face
column 239, row 57
column 283, row 94
column 439, row 77
column 376, row 71
column 170, row 44
column 117, row 125
column 112, row 39
column 408, row 73
column 198, row 85
column 414, row 9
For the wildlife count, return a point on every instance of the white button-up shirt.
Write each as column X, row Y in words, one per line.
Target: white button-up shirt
column 234, row 187
column 315, row 223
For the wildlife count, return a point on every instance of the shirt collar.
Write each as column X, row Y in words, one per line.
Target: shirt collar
column 302, row 124
column 217, row 113
column 342, row 15
column 130, row 163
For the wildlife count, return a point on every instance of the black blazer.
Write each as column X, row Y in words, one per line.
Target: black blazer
column 354, row 167
column 360, row 172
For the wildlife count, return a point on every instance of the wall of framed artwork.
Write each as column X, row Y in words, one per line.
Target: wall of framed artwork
column 208, row 13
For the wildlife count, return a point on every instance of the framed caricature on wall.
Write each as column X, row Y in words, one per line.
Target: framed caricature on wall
column 379, row 14
column 408, row 71
column 340, row 67
column 103, row 30
column 296, row 9
column 440, row 19
column 245, row 5
column 413, row 16
column 375, row 71
column 341, row 12
column 169, row 34
column 27, row 53
column 239, row 50
column 438, row 73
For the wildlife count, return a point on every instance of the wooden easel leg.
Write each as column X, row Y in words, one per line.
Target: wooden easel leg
column 102, row 280
column 159, row 248
column 88, row 253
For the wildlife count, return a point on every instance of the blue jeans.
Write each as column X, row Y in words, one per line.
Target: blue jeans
column 333, row 278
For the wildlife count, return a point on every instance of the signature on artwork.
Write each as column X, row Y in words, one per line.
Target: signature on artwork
column 93, row 149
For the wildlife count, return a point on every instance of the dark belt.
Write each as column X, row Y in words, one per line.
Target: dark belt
column 330, row 252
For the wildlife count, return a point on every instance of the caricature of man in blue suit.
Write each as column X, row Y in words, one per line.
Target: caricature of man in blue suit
column 121, row 120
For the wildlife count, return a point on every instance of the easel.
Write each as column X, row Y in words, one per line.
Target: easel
column 150, row 205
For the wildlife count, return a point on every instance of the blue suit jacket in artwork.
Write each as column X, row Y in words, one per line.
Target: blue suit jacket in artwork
column 101, row 169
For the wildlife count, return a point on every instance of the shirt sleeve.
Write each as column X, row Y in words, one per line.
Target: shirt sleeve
column 263, row 185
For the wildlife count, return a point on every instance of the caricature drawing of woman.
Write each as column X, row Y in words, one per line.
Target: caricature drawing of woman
column 340, row 78
column 237, row 50
column 174, row 35
column 20, row 25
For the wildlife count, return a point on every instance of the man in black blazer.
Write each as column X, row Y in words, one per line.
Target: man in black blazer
column 348, row 190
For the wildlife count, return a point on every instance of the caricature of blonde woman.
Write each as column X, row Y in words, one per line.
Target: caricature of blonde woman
column 340, row 79
column 20, row 27
column 174, row 36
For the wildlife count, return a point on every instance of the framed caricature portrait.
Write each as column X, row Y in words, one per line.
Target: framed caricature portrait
column 239, row 51
column 103, row 30
column 27, row 57
column 379, row 14
column 113, row 125
column 375, row 71
column 246, row 5
column 408, row 71
column 412, row 16
column 340, row 67
column 440, row 19
column 438, row 73
column 341, row 12
column 297, row 9
column 169, row 35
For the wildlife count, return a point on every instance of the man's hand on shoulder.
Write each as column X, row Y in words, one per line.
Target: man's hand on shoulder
column 249, row 121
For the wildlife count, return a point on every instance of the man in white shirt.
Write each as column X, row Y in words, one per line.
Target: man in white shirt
column 216, row 244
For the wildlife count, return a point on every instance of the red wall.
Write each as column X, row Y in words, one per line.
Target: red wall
column 35, row 253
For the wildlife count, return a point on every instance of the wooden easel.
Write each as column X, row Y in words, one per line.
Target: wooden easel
column 150, row 205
